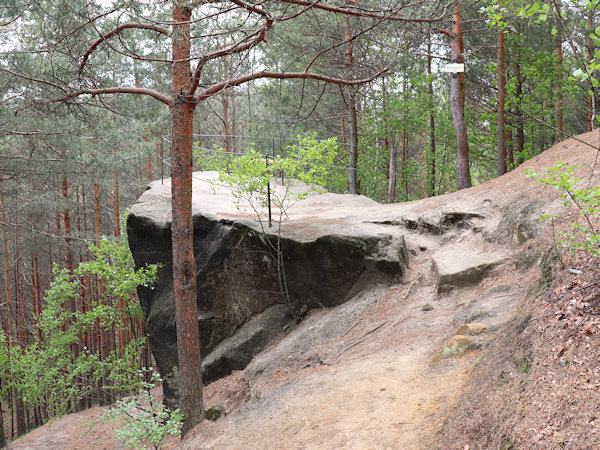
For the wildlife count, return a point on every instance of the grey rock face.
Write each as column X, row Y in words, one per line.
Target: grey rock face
column 240, row 302
column 458, row 267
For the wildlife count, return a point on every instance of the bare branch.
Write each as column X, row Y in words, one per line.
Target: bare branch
column 246, row 44
column 27, row 133
column 14, row 19
column 35, row 80
column 218, row 87
column 443, row 31
column 362, row 13
column 116, row 31
column 118, row 90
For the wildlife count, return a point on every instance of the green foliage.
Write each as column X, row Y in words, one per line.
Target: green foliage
column 147, row 422
column 584, row 236
column 55, row 369
column 309, row 162
column 316, row 163
column 216, row 159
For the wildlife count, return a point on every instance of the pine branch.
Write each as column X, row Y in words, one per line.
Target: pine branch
column 218, row 87
column 116, row 31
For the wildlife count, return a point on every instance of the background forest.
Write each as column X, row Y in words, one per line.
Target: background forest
column 74, row 155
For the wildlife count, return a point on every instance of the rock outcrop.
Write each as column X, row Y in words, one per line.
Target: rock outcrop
column 241, row 305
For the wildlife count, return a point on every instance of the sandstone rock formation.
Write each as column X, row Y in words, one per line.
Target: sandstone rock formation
column 240, row 301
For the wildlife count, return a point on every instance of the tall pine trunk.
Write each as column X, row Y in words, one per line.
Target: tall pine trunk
column 431, row 121
column 184, row 265
column 457, row 101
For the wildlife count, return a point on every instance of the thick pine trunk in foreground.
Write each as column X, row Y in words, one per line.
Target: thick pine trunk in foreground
column 184, row 265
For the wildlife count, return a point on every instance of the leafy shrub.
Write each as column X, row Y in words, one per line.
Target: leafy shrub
column 147, row 422
column 584, row 235
column 57, row 370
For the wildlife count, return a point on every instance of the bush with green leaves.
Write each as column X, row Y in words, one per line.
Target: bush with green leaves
column 216, row 159
column 57, row 370
column 584, row 235
column 147, row 422
column 310, row 161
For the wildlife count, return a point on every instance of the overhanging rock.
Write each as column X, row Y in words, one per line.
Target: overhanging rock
column 329, row 254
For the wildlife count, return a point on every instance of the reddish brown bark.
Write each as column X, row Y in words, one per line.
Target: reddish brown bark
column 117, row 211
column 67, row 228
column 7, row 286
column 590, row 56
column 36, row 290
column 97, row 212
column 2, row 434
column 431, row 122
column 457, row 101
column 149, row 168
column 102, row 337
column 184, row 265
column 405, row 138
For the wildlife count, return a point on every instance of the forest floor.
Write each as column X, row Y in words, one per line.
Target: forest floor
column 385, row 369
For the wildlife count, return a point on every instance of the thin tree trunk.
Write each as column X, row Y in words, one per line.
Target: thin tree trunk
column 404, row 164
column 2, row 434
column 343, row 126
column 501, row 81
column 510, row 155
column 67, row 227
column 7, row 286
column 149, row 168
column 393, row 168
column 121, row 332
column 519, row 118
column 431, row 121
column 233, row 123
column 559, row 61
column 101, row 335
column 71, row 306
column 457, row 101
column 184, row 264
column 352, row 116
column 19, row 329
column 36, row 291
column 405, row 138
column 117, row 212
column 590, row 56
column 393, row 151
column 226, row 131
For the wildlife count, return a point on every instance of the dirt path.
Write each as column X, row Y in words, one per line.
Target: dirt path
column 383, row 390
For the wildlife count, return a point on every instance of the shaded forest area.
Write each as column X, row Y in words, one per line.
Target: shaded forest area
column 82, row 124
